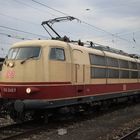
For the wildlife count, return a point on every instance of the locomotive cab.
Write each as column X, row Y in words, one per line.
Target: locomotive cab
column 32, row 64
column 31, row 72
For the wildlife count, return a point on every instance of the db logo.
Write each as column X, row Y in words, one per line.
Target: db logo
column 10, row 74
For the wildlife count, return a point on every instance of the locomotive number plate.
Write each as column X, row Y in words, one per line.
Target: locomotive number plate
column 9, row 90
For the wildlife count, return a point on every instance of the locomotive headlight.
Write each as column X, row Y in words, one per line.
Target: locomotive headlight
column 28, row 90
column 11, row 64
column 31, row 90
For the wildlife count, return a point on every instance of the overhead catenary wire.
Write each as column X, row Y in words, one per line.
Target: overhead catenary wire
column 15, row 36
column 50, row 8
column 26, row 21
column 69, row 15
column 13, row 29
column 81, row 21
column 127, row 33
column 92, row 26
column 30, row 6
column 15, row 18
column 111, row 34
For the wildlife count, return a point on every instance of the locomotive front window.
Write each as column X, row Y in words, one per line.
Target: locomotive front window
column 24, row 53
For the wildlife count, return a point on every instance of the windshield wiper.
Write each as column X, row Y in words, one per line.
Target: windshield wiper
column 27, row 59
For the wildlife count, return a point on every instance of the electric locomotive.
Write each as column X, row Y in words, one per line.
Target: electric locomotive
column 48, row 74
column 41, row 76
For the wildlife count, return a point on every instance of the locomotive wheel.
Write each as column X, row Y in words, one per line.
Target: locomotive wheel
column 20, row 116
column 16, row 117
column 13, row 115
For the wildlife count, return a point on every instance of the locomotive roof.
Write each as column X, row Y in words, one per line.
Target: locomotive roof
column 73, row 46
column 35, row 43
column 106, row 53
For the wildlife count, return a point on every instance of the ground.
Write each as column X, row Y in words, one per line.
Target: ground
column 108, row 126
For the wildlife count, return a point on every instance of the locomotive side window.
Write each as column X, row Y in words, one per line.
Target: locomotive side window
column 123, row 64
column 121, row 68
column 98, row 72
column 113, row 73
column 133, row 65
column 134, row 74
column 139, row 66
column 112, row 62
column 57, row 54
column 139, row 74
column 124, row 74
column 97, row 60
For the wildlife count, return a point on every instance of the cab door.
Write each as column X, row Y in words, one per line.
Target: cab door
column 78, row 71
column 57, row 65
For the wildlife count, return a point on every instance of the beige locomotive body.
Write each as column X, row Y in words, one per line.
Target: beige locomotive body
column 75, row 68
column 41, row 74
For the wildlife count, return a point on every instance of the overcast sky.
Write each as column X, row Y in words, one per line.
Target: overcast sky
column 115, row 23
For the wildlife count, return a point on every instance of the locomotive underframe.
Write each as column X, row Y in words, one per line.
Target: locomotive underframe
column 31, row 109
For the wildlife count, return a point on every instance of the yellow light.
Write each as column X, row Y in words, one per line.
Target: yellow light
column 28, row 90
column 11, row 64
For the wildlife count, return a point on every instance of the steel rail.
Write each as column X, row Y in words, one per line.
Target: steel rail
column 17, row 130
column 131, row 135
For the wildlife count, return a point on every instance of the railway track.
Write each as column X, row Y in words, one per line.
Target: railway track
column 22, row 130
column 17, row 130
column 133, row 135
